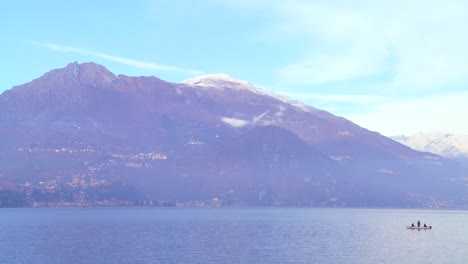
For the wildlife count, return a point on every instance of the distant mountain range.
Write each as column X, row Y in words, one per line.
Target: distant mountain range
column 443, row 144
column 83, row 136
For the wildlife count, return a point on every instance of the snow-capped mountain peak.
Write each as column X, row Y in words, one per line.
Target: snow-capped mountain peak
column 444, row 144
column 223, row 81
column 219, row 80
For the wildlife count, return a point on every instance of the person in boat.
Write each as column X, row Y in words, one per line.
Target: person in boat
column 419, row 223
column 412, row 224
column 425, row 225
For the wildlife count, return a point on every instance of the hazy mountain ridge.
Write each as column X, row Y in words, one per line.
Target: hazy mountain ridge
column 84, row 136
column 453, row 146
column 444, row 144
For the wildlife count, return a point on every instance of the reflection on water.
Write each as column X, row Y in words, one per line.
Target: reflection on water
column 231, row 235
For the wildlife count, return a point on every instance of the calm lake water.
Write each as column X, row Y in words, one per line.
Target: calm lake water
column 230, row 235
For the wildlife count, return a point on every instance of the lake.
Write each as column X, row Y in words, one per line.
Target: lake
column 230, row 235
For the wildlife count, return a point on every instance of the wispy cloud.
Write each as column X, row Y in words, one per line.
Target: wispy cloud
column 414, row 44
column 327, row 98
column 315, row 98
column 444, row 112
column 412, row 53
column 122, row 60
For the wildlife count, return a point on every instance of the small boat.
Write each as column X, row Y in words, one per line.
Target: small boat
column 419, row 228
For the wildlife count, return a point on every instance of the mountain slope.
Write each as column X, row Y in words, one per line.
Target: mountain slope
column 82, row 135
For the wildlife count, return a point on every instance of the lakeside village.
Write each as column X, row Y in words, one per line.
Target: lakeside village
column 90, row 188
column 92, row 191
column 84, row 191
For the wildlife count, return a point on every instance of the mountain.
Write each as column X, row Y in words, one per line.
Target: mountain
column 443, row 144
column 82, row 135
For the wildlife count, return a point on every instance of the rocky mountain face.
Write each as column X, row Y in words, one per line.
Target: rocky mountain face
column 84, row 136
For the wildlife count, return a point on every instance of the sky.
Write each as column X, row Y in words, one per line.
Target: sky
column 395, row 67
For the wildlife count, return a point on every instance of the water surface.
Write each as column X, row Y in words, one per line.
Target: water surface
column 231, row 235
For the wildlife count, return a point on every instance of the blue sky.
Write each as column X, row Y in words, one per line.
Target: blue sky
column 395, row 67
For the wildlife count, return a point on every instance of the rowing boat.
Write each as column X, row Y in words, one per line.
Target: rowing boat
column 419, row 228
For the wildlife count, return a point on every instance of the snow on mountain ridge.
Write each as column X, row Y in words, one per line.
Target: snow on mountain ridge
column 219, row 80
column 222, row 81
column 444, row 144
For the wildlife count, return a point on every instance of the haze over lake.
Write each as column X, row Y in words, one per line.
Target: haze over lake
column 230, row 235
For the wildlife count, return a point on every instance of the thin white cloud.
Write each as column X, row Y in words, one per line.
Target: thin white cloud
column 256, row 119
column 329, row 68
column 432, row 113
column 314, row 98
column 414, row 44
column 235, row 122
column 327, row 98
column 340, row 43
column 122, row 60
